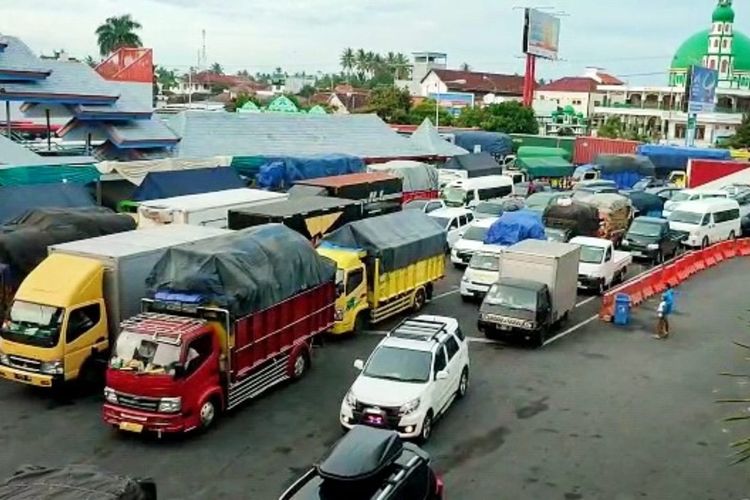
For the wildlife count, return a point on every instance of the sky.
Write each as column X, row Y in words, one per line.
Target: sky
column 631, row 38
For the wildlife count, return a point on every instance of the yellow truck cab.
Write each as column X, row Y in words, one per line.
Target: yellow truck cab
column 385, row 265
column 56, row 322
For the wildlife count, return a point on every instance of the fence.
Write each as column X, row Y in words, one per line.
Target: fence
column 673, row 272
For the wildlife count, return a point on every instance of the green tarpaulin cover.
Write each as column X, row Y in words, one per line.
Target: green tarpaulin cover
column 542, row 152
column 48, row 174
column 552, row 166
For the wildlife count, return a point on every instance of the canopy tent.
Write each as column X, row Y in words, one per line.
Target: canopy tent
column 17, row 200
column 543, row 152
column 475, row 164
column 551, row 166
column 159, row 185
column 427, row 137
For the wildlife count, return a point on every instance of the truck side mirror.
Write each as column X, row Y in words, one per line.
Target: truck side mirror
column 359, row 364
column 441, row 375
column 340, row 289
column 179, row 370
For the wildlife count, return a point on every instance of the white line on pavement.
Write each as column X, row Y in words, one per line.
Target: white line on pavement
column 572, row 329
column 586, row 301
column 446, row 294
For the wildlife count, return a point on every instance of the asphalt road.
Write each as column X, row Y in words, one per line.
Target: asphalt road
column 598, row 413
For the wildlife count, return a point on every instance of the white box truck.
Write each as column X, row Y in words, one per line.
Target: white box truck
column 536, row 290
column 205, row 209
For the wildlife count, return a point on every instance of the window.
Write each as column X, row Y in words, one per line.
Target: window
column 724, row 66
column 460, row 333
column 469, row 218
column 726, row 215
column 715, row 43
column 706, row 220
column 470, row 196
column 198, row 351
column 354, row 279
column 608, row 256
column 495, row 192
column 451, row 347
column 82, row 320
column 439, row 360
column 462, row 221
column 454, row 223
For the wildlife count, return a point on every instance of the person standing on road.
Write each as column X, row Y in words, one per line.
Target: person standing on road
column 663, row 312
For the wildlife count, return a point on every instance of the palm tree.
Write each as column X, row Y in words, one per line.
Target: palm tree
column 90, row 61
column 370, row 62
column 348, row 60
column 117, row 32
column 217, row 69
column 166, row 78
column 402, row 66
column 361, row 63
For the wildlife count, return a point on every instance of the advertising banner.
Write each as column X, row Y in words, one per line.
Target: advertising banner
column 701, row 89
column 541, row 34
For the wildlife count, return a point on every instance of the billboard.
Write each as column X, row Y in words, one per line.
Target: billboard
column 701, row 90
column 541, row 34
column 453, row 99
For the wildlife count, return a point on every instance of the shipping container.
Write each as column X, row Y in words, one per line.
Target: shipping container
column 588, row 148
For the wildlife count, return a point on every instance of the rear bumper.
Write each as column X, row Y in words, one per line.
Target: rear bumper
column 123, row 418
column 30, row 378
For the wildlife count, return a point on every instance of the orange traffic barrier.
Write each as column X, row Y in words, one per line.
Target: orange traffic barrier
column 743, row 247
column 708, row 257
column 729, row 249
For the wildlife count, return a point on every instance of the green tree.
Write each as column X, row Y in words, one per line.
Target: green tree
column 612, row 128
column 426, row 109
column 390, row 103
column 217, row 69
column 166, row 78
column 348, row 60
column 117, row 32
column 90, row 61
column 307, row 91
column 403, row 67
column 360, row 63
column 509, row 117
column 741, row 138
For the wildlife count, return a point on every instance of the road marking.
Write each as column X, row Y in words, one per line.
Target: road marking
column 476, row 340
column 572, row 329
column 586, row 301
column 446, row 294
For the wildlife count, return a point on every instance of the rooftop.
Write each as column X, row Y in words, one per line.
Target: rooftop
column 571, row 84
column 471, row 81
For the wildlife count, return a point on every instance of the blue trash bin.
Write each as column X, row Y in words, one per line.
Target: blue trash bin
column 622, row 309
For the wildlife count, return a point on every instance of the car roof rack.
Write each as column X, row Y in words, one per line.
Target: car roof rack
column 419, row 329
column 363, row 453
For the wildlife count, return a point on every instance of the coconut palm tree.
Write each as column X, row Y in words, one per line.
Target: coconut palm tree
column 117, row 32
column 370, row 63
column 402, row 66
column 166, row 78
column 361, row 63
column 348, row 60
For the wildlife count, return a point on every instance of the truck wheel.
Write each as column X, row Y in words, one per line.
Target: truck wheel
column 419, row 300
column 360, row 323
column 430, row 291
column 299, row 368
column 540, row 338
column 91, row 377
column 208, row 413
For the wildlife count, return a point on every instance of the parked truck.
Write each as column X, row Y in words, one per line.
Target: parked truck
column 535, row 293
column 386, row 265
column 66, row 313
column 601, row 266
column 225, row 320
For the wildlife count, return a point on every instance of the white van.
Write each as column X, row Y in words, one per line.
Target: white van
column 469, row 192
column 205, row 209
column 483, row 272
column 454, row 221
column 707, row 221
column 691, row 195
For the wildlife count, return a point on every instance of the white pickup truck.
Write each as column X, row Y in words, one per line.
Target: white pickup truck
column 600, row 265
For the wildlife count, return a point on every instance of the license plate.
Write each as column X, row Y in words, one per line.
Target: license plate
column 637, row 254
column 375, row 419
column 24, row 378
column 131, row 427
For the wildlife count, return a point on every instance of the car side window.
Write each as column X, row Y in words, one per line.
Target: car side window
column 439, row 360
column 462, row 221
column 416, row 484
column 469, row 218
column 706, row 220
column 82, row 320
column 454, row 224
column 470, row 196
column 608, row 255
column 451, row 347
column 432, row 206
column 198, row 351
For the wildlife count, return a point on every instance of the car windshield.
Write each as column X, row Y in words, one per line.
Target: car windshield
column 443, row 221
column 641, row 184
column 512, row 297
column 142, row 353
column 641, row 228
column 681, row 196
column 403, row 365
column 489, row 208
column 454, row 196
column 475, row 233
column 686, row 217
column 416, row 205
column 591, row 255
column 485, row 262
column 33, row 324
column 555, row 234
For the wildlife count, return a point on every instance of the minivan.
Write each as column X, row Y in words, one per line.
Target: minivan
column 690, row 195
column 469, row 192
column 704, row 222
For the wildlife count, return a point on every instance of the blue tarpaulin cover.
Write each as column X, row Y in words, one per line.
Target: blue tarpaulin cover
column 494, row 143
column 17, row 200
column 676, row 157
column 159, row 185
column 513, row 227
column 279, row 173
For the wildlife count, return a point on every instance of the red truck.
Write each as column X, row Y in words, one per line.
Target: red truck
column 212, row 339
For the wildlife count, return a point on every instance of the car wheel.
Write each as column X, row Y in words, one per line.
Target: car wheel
column 463, row 383
column 360, row 323
column 705, row 242
column 207, row 413
column 426, row 432
column 732, row 236
column 419, row 300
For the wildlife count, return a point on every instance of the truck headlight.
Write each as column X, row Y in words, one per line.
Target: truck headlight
column 4, row 360
column 339, row 314
column 653, row 246
column 110, row 395
column 625, row 243
column 409, row 407
column 52, row 367
column 170, row 405
column 350, row 399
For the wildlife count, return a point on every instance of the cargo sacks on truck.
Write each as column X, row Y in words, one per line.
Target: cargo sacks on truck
column 244, row 272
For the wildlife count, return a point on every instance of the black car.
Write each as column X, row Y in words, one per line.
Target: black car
column 651, row 238
column 369, row 463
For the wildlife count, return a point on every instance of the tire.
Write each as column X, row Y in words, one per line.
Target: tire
column 659, row 258
column 463, row 383
column 300, row 365
column 602, row 288
column 539, row 338
column 705, row 242
column 91, row 377
column 430, row 290
column 419, row 300
column 732, row 236
column 208, row 413
column 426, row 432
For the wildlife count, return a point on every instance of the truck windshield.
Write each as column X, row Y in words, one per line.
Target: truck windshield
column 475, row 233
column 512, row 297
column 402, row 365
column 591, row 255
column 142, row 353
column 485, row 262
column 686, row 217
column 640, row 228
column 33, row 324
column 454, row 196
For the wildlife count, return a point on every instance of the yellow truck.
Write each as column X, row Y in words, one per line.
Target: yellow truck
column 385, row 265
column 66, row 312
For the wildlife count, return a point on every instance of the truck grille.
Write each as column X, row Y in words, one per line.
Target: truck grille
column 29, row 365
column 137, row 402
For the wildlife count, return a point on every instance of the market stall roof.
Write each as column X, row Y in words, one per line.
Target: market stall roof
column 551, row 166
column 12, row 153
column 428, row 138
column 282, row 134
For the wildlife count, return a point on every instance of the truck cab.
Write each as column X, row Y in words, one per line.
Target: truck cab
column 517, row 304
column 600, row 265
column 56, row 329
column 351, row 289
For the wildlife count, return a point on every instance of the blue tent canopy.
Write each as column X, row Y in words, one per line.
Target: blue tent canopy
column 513, row 227
column 283, row 172
column 158, row 185
column 17, row 200
column 676, row 157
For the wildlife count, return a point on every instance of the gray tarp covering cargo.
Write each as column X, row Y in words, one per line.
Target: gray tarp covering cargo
column 475, row 165
column 417, row 176
column 74, row 482
column 398, row 239
column 244, row 272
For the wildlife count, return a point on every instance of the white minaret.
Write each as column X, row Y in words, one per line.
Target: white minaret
column 719, row 54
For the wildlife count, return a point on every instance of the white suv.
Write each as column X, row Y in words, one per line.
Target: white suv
column 411, row 378
column 470, row 241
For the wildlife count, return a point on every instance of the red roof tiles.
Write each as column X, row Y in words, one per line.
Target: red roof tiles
column 470, row 81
